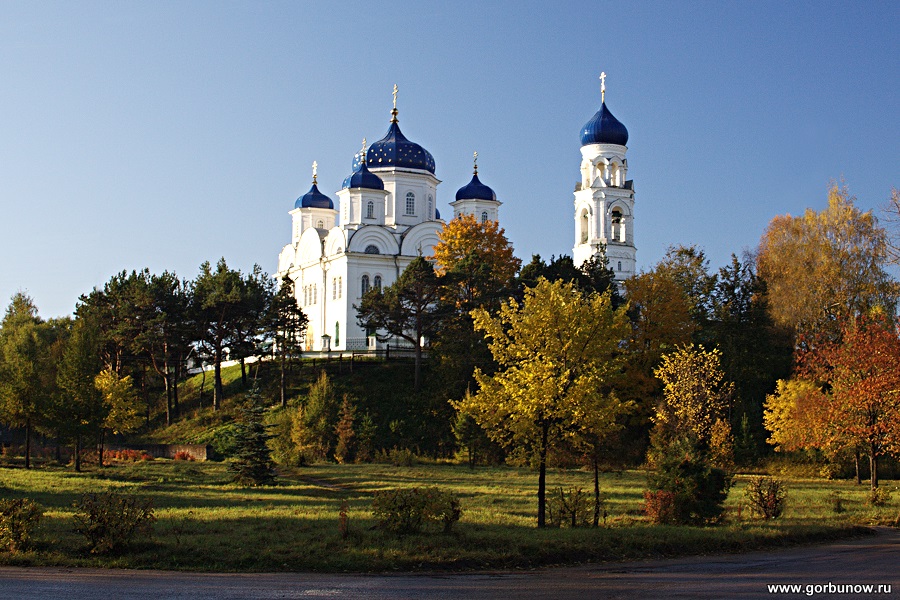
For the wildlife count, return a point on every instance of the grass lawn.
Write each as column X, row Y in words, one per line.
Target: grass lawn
column 207, row 524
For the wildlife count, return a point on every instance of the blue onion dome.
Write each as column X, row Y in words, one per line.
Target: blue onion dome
column 475, row 190
column 314, row 199
column 362, row 177
column 604, row 128
column 437, row 214
column 394, row 150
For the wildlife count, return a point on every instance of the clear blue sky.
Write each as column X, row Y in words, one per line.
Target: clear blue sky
column 162, row 134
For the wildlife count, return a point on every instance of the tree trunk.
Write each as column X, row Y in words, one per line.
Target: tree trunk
column 168, row 384
column 176, row 375
column 418, row 375
column 100, row 448
column 542, row 478
column 856, row 459
column 27, row 443
column 873, row 467
column 283, row 384
column 78, row 453
column 218, row 389
column 243, row 373
column 596, row 462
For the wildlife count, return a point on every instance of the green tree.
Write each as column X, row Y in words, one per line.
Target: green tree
column 555, row 350
column 217, row 308
column 23, row 389
column 252, row 465
column 346, row 443
column 407, row 309
column 313, row 430
column 257, row 291
column 82, row 409
column 286, row 324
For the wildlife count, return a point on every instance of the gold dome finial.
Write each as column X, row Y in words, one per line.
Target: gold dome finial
column 475, row 157
column 394, row 110
column 315, row 171
column 602, row 86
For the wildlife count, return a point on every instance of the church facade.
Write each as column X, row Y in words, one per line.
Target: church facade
column 388, row 215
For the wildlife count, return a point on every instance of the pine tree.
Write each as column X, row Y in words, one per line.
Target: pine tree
column 253, row 464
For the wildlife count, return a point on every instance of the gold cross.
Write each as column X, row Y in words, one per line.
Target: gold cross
column 602, row 86
column 475, row 155
column 315, row 170
column 395, row 95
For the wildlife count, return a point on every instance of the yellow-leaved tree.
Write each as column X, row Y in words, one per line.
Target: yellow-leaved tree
column 556, row 352
column 696, row 400
column 120, row 404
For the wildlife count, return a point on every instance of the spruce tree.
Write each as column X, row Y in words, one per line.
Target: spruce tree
column 252, row 464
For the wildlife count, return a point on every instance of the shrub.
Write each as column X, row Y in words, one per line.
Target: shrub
column 879, row 497
column 699, row 490
column 766, row 496
column 659, row 506
column 18, row 519
column 183, row 455
column 568, row 507
column 406, row 510
column 399, row 457
column 109, row 520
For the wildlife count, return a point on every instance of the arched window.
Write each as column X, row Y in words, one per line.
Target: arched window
column 410, row 203
column 618, row 226
column 372, row 249
column 484, row 217
column 340, row 285
column 364, row 287
column 315, row 294
column 378, row 282
column 430, row 214
column 370, row 210
column 334, row 288
column 614, row 175
column 584, row 226
column 320, row 224
column 337, row 333
column 305, row 295
column 620, row 265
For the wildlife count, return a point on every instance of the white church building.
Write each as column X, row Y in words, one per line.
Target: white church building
column 388, row 215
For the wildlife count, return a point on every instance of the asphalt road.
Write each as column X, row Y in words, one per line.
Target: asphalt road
column 868, row 560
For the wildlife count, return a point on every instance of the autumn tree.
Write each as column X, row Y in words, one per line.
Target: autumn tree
column 120, row 408
column 82, row 411
column 860, row 406
column 407, row 309
column 824, row 268
column 556, row 349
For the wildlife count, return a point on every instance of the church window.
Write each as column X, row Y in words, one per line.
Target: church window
column 340, row 281
column 620, row 265
column 378, row 282
column 334, row 288
column 430, row 214
column 305, row 295
column 320, row 224
column 484, row 217
column 410, row 203
column 614, row 175
column 370, row 210
column 372, row 249
column 364, row 287
column 584, row 226
column 315, row 292
column 337, row 333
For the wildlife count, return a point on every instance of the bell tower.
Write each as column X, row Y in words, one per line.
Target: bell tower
column 604, row 198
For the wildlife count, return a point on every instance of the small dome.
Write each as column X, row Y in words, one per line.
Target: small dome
column 314, row 199
column 437, row 214
column 604, row 128
column 362, row 177
column 475, row 190
column 394, row 150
